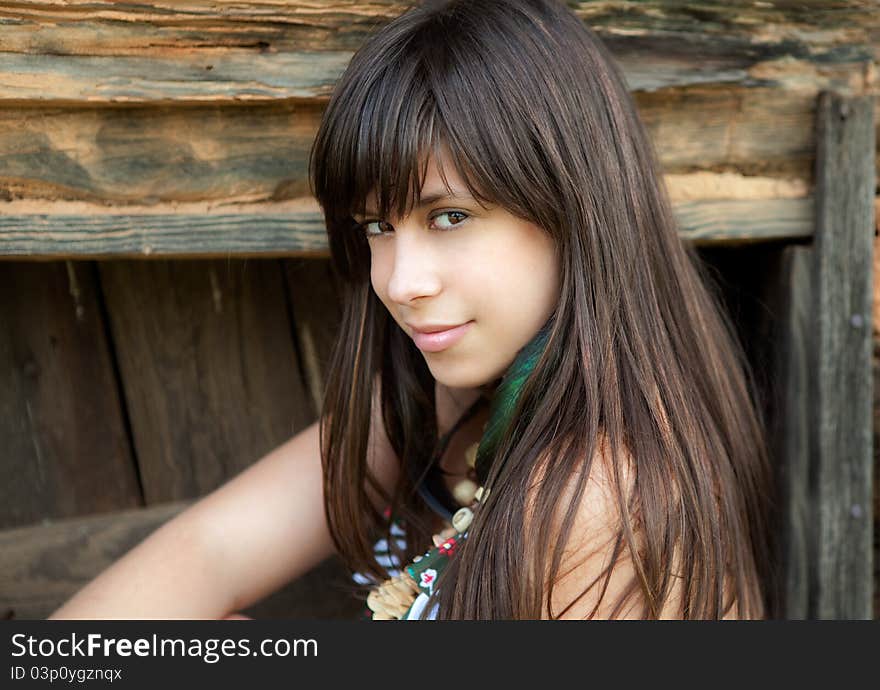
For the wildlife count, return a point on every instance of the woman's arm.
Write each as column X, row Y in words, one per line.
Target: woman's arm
column 232, row 548
column 247, row 538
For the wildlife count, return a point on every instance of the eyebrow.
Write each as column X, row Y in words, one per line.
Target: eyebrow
column 433, row 197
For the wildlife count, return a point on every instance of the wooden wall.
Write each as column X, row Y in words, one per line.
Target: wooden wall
column 138, row 386
column 166, row 305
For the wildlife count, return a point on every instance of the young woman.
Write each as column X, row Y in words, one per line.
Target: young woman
column 524, row 336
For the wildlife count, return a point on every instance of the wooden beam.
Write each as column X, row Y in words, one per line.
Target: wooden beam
column 41, row 566
column 226, row 155
column 150, row 156
column 211, row 159
column 841, row 383
column 719, row 88
column 754, row 131
column 792, row 303
column 106, row 52
column 739, row 221
column 302, row 232
column 163, row 235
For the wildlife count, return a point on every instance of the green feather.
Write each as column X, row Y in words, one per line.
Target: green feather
column 505, row 398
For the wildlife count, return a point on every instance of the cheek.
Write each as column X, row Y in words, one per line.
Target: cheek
column 378, row 277
column 545, row 267
column 526, row 267
column 526, row 282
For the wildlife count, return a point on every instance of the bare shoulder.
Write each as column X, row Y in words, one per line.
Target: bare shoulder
column 597, row 571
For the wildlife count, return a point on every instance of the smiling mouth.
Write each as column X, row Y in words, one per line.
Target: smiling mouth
column 440, row 340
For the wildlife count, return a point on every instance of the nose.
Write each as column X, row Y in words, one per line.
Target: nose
column 414, row 271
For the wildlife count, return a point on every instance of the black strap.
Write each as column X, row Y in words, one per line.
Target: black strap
column 430, row 484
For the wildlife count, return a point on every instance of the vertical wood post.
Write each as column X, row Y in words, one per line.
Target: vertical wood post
column 793, row 336
column 840, row 385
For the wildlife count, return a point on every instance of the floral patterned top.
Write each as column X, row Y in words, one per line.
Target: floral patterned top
column 391, row 563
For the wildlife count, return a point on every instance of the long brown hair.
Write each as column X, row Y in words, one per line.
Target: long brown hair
column 537, row 118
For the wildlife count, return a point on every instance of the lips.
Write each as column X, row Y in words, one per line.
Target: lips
column 438, row 341
column 434, row 329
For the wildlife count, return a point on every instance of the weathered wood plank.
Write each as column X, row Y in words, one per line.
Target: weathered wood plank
column 164, row 235
column 62, row 426
column 236, row 154
column 755, row 131
column 120, row 52
column 208, row 367
column 875, row 406
column 730, row 222
column 83, row 27
column 248, row 76
column 149, row 155
column 42, row 566
column 302, row 232
column 790, row 432
column 841, row 456
column 317, row 311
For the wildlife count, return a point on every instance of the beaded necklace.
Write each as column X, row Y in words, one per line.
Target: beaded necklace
column 394, row 598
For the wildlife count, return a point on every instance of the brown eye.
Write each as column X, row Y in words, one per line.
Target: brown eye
column 374, row 228
column 456, row 218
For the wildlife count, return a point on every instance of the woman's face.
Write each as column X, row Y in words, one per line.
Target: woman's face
column 453, row 263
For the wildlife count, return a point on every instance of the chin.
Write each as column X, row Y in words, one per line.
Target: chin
column 462, row 377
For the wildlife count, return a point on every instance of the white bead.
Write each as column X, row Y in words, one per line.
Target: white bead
column 462, row 519
column 464, row 492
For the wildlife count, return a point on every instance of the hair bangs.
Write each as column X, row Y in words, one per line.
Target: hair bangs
column 401, row 128
column 395, row 132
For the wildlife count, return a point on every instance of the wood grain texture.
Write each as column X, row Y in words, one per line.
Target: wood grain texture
column 302, row 232
column 719, row 89
column 151, row 155
column 149, row 105
column 209, row 368
column 161, row 235
column 65, row 446
column 106, row 52
column 840, row 427
column 719, row 127
column 790, row 432
column 44, row 565
column 41, row 566
column 317, row 312
column 731, row 222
